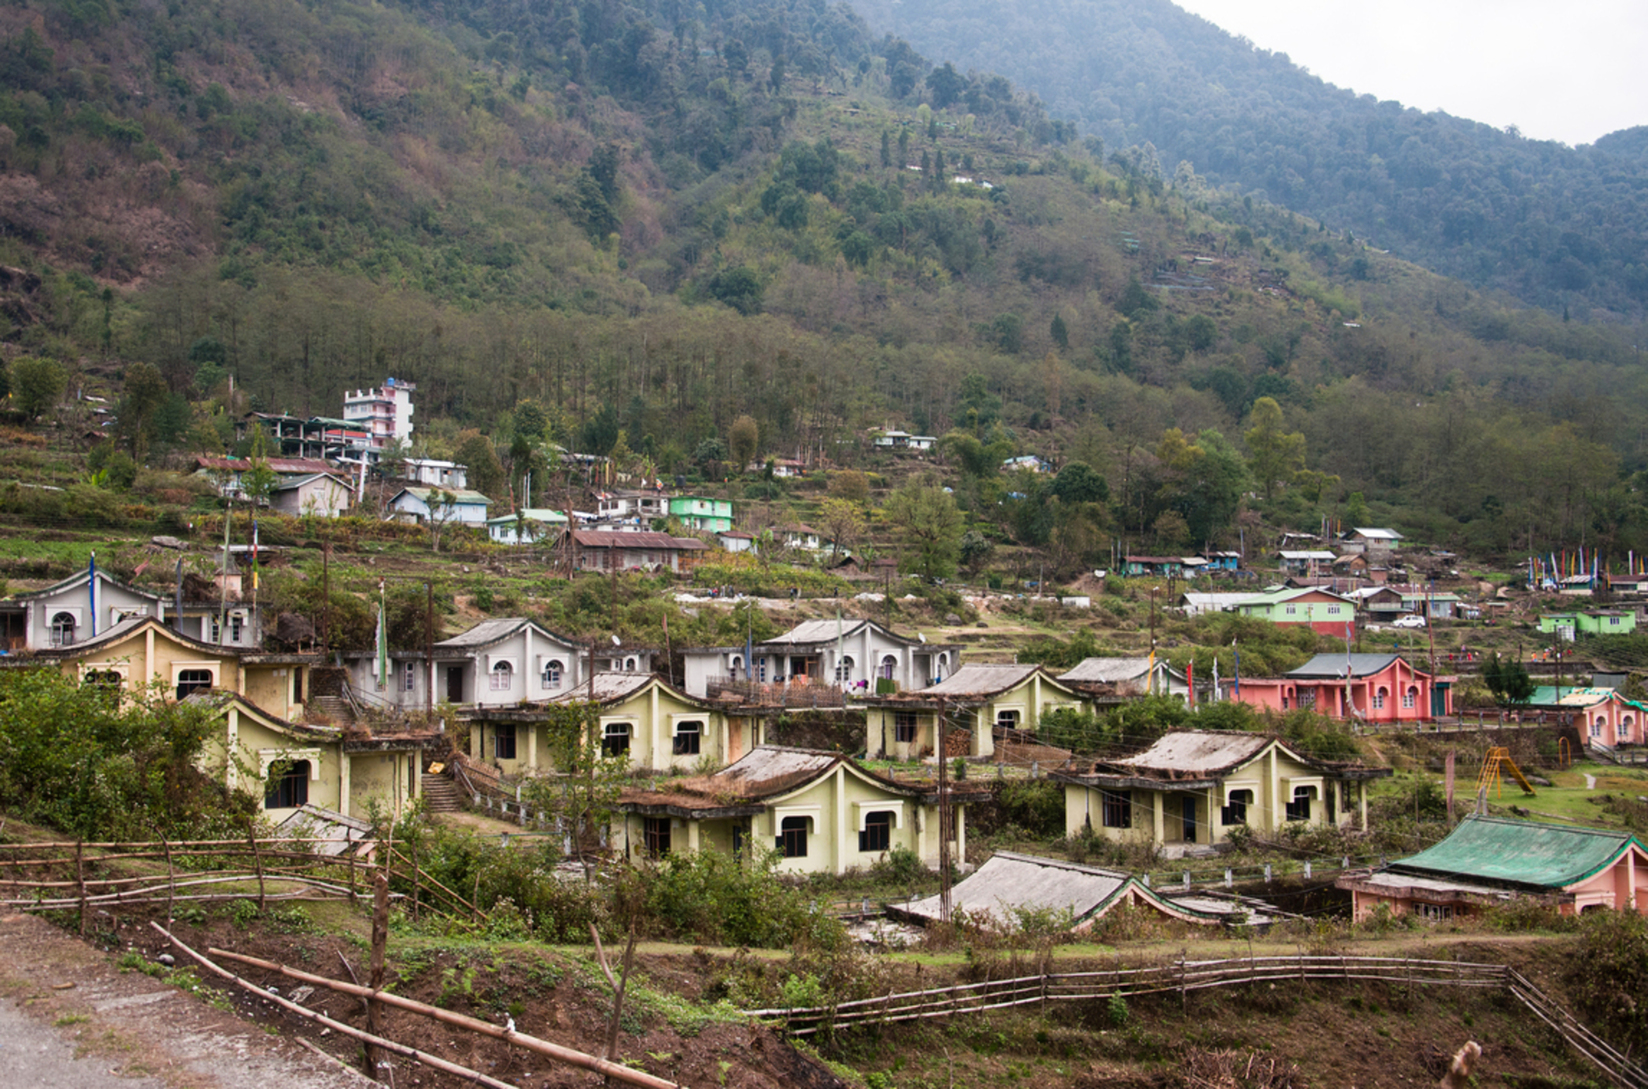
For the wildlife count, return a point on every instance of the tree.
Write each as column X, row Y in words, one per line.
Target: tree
column 844, row 521
column 743, row 440
column 709, row 454
column 931, row 522
column 851, row 485
column 1060, row 332
column 738, row 287
column 601, row 431
column 443, row 508
column 1274, row 455
column 37, row 385
column 1078, row 483
column 584, row 797
column 486, row 472
column 146, row 392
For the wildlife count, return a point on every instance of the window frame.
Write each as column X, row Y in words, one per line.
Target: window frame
column 503, row 732
column 610, row 736
column 687, row 742
column 792, row 837
column 56, row 629
column 291, row 789
column 1116, row 808
column 906, row 726
column 877, row 834
column 501, row 677
column 189, row 682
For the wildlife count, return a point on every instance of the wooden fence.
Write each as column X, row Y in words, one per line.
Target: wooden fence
column 48, row 877
column 1186, row 976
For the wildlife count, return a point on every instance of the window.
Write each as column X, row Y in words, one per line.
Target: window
column 1291, row 609
column 657, row 836
column 1299, row 808
column 62, row 629
column 190, row 681
column 761, row 670
column 503, row 675
column 629, row 665
column 1333, row 610
column 1596, row 727
column 1234, row 811
column 688, row 737
column 1379, row 697
column 878, row 832
column 1307, row 697
column 904, row 727
column 503, row 741
column 1118, row 808
column 1410, row 698
column 108, row 678
column 1625, row 728
column 889, row 666
column 943, row 666
column 290, row 788
column 1613, row 621
column 792, row 837
column 236, row 624
column 615, row 739
column 1007, row 720
column 552, row 674
column 1435, row 912
column 214, row 629
column 844, row 671
column 409, row 679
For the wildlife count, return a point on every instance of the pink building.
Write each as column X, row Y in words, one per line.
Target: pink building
column 1370, row 687
column 1604, row 717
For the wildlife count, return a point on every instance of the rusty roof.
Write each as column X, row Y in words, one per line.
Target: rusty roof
column 980, row 680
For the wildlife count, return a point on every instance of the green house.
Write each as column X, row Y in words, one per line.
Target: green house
column 701, row 512
column 1595, row 622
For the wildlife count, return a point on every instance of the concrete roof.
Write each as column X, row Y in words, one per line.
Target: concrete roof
column 460, row 496
column 1523, row 853
column 1377, row 534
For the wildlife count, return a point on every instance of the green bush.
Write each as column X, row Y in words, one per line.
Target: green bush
column 1607, row 975
column 715, row 899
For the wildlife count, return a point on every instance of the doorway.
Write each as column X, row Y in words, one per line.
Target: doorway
column 454, row 684
column 1188, row 811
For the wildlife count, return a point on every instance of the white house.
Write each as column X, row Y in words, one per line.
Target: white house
column 733, row 540
column 850, row 652
column 437, row 474
column 321, row 494
column 525, row 527
column 465, row 508
column 384, row 414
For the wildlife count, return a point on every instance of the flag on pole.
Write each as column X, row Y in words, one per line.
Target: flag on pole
column 91, row 590
column 1215, row 678
column 383, row 643
column 1236, row 674
column 1190, row 681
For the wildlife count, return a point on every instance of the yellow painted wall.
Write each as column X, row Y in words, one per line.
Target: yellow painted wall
column 256, row 746
column 387, row 777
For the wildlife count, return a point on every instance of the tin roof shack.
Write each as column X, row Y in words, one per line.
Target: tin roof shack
column 978, row 700
column 657, row 725
column 1369, row 687
column 642, row 550
column 822, row 811
column 1190, row 788
column 1112, row 680
column 1489, row 860
column 1008, row 883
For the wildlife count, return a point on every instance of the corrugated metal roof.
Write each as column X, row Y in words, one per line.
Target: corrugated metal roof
column 981, row 679
column 1377, row 534
column 1107, row 670
column 607, row 688
column 824, row 631
column 1007, row 881
column 1548, row 856
column 602, row 538
column 1333, row 665
column 461, row 496
column 1197, row 752
column 487, row 631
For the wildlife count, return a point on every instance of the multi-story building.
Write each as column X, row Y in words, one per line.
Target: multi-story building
column 385, row 414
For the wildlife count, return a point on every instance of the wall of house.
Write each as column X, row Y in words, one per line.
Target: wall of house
column 257, row 747
column 391, row 779
column 113, row 602
column 150, row 655
column 1612, row 722
column 271, row 688
column 835, row 809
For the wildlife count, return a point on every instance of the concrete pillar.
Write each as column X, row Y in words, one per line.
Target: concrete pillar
column 840, row 850
column 345, row 767
column 1157, row 826
column 692, row 835
column 1362, row 800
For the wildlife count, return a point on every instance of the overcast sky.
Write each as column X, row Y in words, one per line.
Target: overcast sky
column 1569, row 71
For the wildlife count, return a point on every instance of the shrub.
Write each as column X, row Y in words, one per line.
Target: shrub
column 1608, row 973
column 716, row 899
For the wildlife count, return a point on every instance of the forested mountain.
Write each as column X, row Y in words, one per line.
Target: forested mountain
column 653, row 220
column 1556, row 226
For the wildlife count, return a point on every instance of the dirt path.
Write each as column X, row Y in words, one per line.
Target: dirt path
column 70, row 1018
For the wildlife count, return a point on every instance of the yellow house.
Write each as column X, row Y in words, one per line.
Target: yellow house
column 1192, row 787
column 977, row 699
column 657, row 724
column 820, row 810
column 293, row 765
column 140, row 650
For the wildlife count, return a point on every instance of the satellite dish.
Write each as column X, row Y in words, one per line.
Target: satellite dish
column 615, row 642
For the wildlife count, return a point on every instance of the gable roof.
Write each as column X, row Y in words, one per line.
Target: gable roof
column 1198, row 759
column 279, row 466
column 125, row 630
column 79, row 578
column 818, row 632
column 612, row 687
column 1333, row 666
column 744, row 788
column 1282, row 597
column 290, row 483
column 1008, row 880
column 488, row 632
column 1376, row 534
column 463, row 497
column 606, row 538
column 221, row 699
column 981, row 680
column 1529, row 854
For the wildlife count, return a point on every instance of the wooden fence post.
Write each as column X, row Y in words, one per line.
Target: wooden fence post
column 171, row 882
column 380, row 942
column 414, row 882
column 257, row 861
column 80, row 879
column 352, row 877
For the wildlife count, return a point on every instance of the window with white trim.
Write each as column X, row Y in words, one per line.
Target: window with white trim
column 552, row 674
column 1410, row 698
column 792, row 837
column 1234, row 811
column 615, row 738
column 1380, row 695
column 844, row 671
column 190, row 681
column 62, row 629
column 290, row 789
column 688, row 737
column 878, row 831
column 408, row 679
column 503, row 676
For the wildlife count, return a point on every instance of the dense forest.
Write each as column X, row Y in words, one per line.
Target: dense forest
column 652, row 221
column 1556, row 226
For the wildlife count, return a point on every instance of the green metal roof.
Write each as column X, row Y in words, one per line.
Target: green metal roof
column 1527, row 853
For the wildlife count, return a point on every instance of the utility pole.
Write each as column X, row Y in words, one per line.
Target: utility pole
column 943, row 819
column 326, row 590
column 1150, row 681
column 429, row 649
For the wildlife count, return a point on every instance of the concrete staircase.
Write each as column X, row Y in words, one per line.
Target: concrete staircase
column 334, row 708
column 441, row 795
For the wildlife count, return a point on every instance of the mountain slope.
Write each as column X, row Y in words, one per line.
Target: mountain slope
column 1556, row 226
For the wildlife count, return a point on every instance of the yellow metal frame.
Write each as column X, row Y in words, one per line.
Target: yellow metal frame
column 1496, row 764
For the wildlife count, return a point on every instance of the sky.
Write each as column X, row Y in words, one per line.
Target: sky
column 1557, row 71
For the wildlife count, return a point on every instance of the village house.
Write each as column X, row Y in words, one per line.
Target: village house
column 1200, row 603
column 496, row 663
column 823, row 812
column 1381, row 688
column 640, row 506
column 802, row 537
column 72, row 610
column 659, row 727
column 296, row 764
column 1325, row 612
column 1029, row 463
column 321, row 495
column 733, row 540
column 1605, row 718
column 1488, row 861
column 1114, row 679
column 527, row 526
column 141, row 650
column 1191, row 788
column 1592, row 622
column 701, row 513
column 228, row 474
column 977, row 701
column 1153, row 566
column 437, row 474
column 1303, row 561
column 451, row 507
column 1374, row 543
column 644, row 550
column 1222, row 561
column 849, row 653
